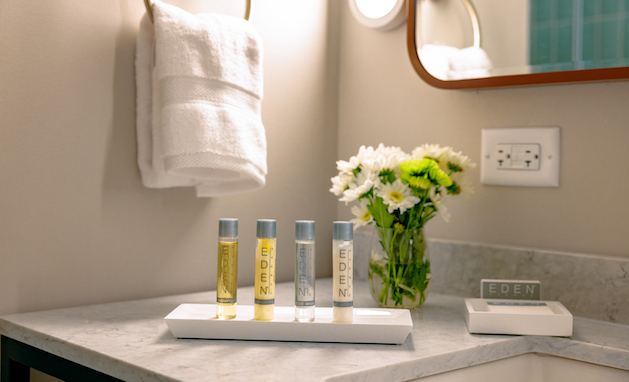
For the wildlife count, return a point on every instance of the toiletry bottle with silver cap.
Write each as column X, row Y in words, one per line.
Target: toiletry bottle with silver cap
column 342, row 274
column 227, row 271
column 304, row 270
column 266, row 241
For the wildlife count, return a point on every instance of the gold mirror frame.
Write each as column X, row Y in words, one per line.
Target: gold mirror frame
column 588, row 75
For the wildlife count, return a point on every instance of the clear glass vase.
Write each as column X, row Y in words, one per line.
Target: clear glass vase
column 399, row 268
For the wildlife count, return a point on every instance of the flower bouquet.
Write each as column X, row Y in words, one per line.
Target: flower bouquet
column 399, row 193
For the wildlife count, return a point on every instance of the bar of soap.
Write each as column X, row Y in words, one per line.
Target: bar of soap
column 519, row 308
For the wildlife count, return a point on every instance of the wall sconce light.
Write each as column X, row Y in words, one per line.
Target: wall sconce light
column 379, row 14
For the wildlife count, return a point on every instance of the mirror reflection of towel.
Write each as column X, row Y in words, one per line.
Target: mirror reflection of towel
column 449, row 63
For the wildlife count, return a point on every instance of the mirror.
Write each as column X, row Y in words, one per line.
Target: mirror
column 454, row 44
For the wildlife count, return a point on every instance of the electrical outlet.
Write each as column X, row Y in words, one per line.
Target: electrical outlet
column 520, row 156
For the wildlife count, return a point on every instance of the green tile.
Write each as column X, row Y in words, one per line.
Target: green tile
column 564, row 9
column 564, row 43
column 610, row 7
column 541, row 10
column 626, row 39
column 588, row 42
column 540, row 49
column 589, row 8
column 609, row 40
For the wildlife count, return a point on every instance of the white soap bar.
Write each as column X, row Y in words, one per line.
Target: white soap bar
column 523, row 317
column 520, row 308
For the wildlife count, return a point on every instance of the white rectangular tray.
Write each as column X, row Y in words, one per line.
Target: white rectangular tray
column 387, row 326
column 524, row 317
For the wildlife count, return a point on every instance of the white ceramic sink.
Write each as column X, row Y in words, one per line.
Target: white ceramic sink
column 532, row 367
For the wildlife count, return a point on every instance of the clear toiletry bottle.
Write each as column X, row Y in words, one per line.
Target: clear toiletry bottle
column 342, row 274
column 266, row 241
column 305, row 270
column 227, row 271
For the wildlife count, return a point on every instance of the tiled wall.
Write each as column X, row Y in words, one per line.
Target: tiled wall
column 579, row 34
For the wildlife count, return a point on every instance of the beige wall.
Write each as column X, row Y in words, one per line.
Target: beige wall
column 76, row 225
column 381, row 99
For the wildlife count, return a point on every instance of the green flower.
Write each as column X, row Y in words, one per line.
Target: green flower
column 454, row 167
column 423, row 173
column 441, row 178
column 417, row 166
column 454, row 188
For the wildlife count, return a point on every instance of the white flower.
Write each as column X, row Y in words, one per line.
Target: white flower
column 388, row 151
column 365, row 153
column 365, row 156
column 443, row 211
column 426, row 150
column 365, row 180
column 363, row 216
column 347, row 168
column 456, row 161
column 464, row 183
column 437, row 193
column 340, row 183
column 391, row 163
column 397, row 195
column 376, row 257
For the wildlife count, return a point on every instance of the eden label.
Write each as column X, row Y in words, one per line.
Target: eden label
column 342, row 275
column 511, row 289
column 305, row 275
column 227, row 272
column 265, row 272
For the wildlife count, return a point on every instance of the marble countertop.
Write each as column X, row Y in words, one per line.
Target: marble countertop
column 130, row 341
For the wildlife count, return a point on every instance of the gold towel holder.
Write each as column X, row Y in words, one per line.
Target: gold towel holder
column 149, row 9
column 474, row 19
column 469, row 7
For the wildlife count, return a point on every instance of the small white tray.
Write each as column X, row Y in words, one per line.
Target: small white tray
column 524, row 317
column 386, row 326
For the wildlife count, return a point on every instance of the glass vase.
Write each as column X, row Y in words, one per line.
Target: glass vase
column 399, row 268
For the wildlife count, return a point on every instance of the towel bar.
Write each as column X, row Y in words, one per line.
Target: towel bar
column 149, row 9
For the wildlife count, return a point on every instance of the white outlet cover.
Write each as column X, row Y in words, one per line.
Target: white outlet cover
column 547, row 137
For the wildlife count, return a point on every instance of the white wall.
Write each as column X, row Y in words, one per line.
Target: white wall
column 76, row 225
column 381, row 99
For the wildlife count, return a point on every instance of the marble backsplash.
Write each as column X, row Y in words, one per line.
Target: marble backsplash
column 588, row 285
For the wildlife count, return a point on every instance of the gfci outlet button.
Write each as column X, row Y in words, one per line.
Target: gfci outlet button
column 518, row 156
column 521, row 156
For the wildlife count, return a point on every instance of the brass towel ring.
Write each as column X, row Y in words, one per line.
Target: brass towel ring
column 469, row 7
column 474, row 19
column 149, row 9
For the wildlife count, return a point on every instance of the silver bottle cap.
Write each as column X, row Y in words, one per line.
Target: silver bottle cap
column 304, row 230
column 227, row 227
column 343, row 231
column 265, row 228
